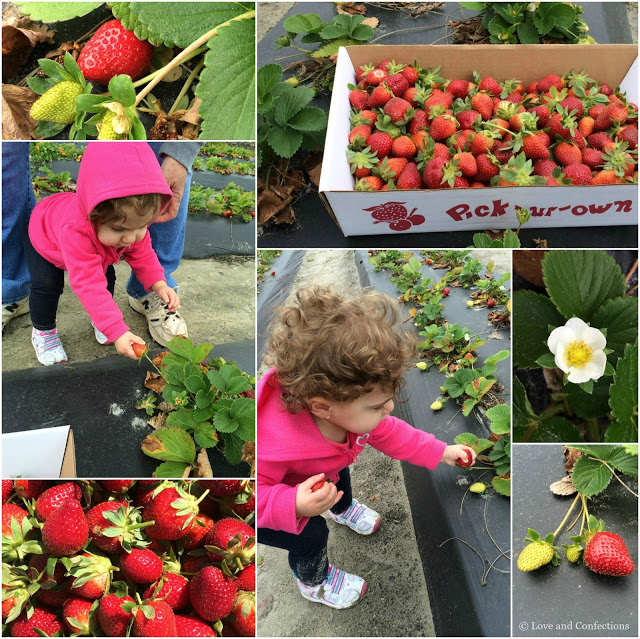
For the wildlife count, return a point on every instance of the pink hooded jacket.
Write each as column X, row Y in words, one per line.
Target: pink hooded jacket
column 292, row 449
column 60, row 230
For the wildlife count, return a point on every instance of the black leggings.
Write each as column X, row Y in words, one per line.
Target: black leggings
column 47, row 284
column 308, row 550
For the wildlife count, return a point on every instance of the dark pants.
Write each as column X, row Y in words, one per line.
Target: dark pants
column 308, row 550
column 47, row 284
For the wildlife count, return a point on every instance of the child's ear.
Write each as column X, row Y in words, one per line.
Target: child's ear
column 319, row 407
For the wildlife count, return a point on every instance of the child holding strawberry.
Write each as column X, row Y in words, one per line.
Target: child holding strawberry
column 120, row 191
column 337, row 366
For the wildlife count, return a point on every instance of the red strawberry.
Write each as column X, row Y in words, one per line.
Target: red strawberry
column 432, row 174
column 438, row 98
column 628, row 134
column 443, row 126
column 212, row 593
column 397, row 83
column 190, row 626
column 114, row 51
column 244, row 505
column 567, row 153
column 467, row 119
column 376, row 76
column 445, row 291
column 467, row 164
column 51, row 498
column 197, row 532
column 91, row 576
column 161, row 624
column 458, row 88
column 42, row 619
column 225, row 487
column 76, row 615
column 397, row 109
column 604, row 177
column 572, row 104
column 482, row 142
column 358, row 98
column 411, row 95
column 7, row 487
column 586, row 125
column 172, row 588
column 379, row 96
column 113, row 620
column 380, row 144
column 54, row 590
column 592, row 158
column 403, row 147
column 419, row 121
column 487, row 168
column 491, row 86
column 233, row 542
column 98, row 523
column 370, row 183
column 359, row 134
column 543, row 114
column 193, row 565
column 141, row 565
column 551, row 80
column 410, row 178
column 607, row 554
column 420, row 139
column 243, row 615
column 611, row 114
column 66, row 529
column 465, row 463
column 580, row 174
column 31, row 488
column 544, row 168
column 246, row 578
column 483, row 104
column 536, row 146
column 461, row 140
column 139, row 350
column 118, row 485
column 600, row 141
column 172, row 509
column 410, row 74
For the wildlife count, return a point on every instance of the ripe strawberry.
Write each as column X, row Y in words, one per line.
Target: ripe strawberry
column 420, row 139
column 607, row 176
column 398, row 110
column 197, row 532
column 246, row 578
column 536, row 146
column 212, row 593
column 535, row 555
column 551, row 80
column 31, row 488
column 611, row 114
column 42, row 619
column 233, row 542
column 403, row 147
column 482, row 142
column 580, row 174
column 397, row 83
column 465, row 463
column 487, row 168
column 412, row 96
column 380, row 144
column 490, row 303
column 437, row 98
column 113, row 620
column 118, row 516
column 461, row 140
column 243, row 615
column 596, row 110
column 458, row 88
column 544, row 168
column 76, row 615
column 628, row 134
column 491, row 86
column 410, row 74
column 119, row 486
column 370, row 183
column 483, row 104
column 567, row 153
column 586, row 125
column 419, row 121
column 172, row 509
column 358, row 135
column 503, row 151
column 376, row 76
column 572, row 104
column 410, row 178
column 543, row 114
column 91, row 576
column 66, row 529
column 161, row 624
column 379, row 96
column 190, row 626
column 57, row 104
column 443, row 126
column 592, row 158
column 141, row 565
column 53, row 497
column 54, row 589
column 467, row 164
column 468, row 118
column 358, row 98
column 172, row 588
column 432, row 174
column 193, row 565
column 7, row 488
column 445, row 291
column 113, row 50
column 607, row 554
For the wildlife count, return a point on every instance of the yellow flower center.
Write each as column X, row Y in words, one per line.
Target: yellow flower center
column 578, row 354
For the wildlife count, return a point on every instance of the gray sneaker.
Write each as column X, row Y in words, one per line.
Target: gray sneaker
column 11, row 311
column 164, row 324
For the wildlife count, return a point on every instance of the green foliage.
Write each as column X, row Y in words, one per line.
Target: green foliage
column 48, row 12
column 531, row 23
column 53, row 182
column 594, row 469
column 209, row 407
column 285, row 121
column 232, row 201
column 265, row 260
column 240, row 151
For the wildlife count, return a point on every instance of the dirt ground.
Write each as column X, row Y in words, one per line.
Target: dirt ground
column 217, row 299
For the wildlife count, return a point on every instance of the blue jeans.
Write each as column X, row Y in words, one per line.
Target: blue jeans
column 18, row 201
column 167, row 239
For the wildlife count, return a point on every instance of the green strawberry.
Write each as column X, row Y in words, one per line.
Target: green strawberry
column 58, row 104
column 537, row 553
column 106, row 129
column 573, row 553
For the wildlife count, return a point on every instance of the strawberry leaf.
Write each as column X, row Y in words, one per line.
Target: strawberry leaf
column 170, row 444
column 56, row 11
column 590, row 477
column 170, row 469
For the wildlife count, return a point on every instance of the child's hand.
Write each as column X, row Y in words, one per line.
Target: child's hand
column 167, row 295
column 124, row 344
column 455, row 452
column 310, row 503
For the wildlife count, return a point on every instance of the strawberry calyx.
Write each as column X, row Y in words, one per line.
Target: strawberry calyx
column 127, row 523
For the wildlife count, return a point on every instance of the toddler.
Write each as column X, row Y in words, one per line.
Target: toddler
column 120, row 190
column 337, row 366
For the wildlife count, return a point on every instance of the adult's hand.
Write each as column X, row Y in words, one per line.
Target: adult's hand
column 176, row 176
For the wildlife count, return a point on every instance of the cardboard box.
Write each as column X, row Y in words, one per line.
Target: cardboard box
column 43, row 453
column 357, row 213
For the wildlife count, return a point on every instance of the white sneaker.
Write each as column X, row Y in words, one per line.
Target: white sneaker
column 164, row 324
column 101, row 338
column 358, row 517
column 48, row 347
column 339, row 589
column 11, row 311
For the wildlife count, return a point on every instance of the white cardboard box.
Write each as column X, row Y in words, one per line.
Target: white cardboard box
column 357, row 212
column 43, row 453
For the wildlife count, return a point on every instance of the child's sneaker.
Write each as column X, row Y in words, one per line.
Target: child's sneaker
column 164, row 324
column 358, row 517
column 48, row 347
column 338, row 590
column 101, row 338
column 11, row 311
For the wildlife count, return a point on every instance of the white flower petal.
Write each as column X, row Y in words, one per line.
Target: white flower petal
column 579, row 375
column 597, row 365
column 561, row 361
column 595, row 339
column 580, row 328
column 560, row 338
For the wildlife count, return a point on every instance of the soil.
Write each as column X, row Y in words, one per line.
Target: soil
column 217, row 301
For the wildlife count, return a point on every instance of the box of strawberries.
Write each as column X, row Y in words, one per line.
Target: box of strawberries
column 444, row 138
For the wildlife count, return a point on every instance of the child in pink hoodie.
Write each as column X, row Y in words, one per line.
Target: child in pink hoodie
column 337, row 365
column 120, row 191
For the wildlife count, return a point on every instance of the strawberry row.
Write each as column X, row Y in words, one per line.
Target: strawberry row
column 184, row 552
column 413, row 129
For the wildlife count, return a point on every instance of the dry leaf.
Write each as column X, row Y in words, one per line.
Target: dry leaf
column 18, row 42
column 563, row 487
column 192, row 116
column 155, row 382
column 351, row 9
column 203, row 467
column 187, row 472
column 413, row 311
column 68, row 47
column 554, row 378
column 158, row 421
column 572, row 455
column 249, row 456
column 157, row 360
column 17, row 124
column 375, row 497
column 270, row 205
column 166, row 407
column 371, row 22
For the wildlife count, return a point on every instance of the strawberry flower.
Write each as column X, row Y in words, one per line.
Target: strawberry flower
column 579, row 350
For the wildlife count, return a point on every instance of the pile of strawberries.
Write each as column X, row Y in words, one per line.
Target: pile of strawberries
column 413, row 129
column 115, row 558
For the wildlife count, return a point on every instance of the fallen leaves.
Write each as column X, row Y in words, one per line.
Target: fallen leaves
column 563, row 487
column 155, row 382
column 203, row 466
column 19, row 36
column 17, row 124
column 249, row 456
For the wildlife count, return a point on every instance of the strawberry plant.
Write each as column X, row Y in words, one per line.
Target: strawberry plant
column 131, row 54
column 229, row 150
column 210, row 404
column 265, row 260
column 509, row 238
column 53, row 182
column 232, row 201
column 593, row 377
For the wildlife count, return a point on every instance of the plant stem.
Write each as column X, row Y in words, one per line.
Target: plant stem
column 594, row 429
column 564, row 521
column 192, row 47
column 614, row 474
column 186, row 86
column 151, row 76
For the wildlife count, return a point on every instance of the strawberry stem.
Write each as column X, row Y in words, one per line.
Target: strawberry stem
column 186, row 86
column 564, row 521
column 181, row 56
column 151, row 76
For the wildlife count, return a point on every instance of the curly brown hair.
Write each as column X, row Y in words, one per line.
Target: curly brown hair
column 338, row 347
column 113, row 210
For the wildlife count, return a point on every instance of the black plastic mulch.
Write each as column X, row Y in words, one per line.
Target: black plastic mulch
column 568, row 600
column 314, row 228
column 97, row 399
